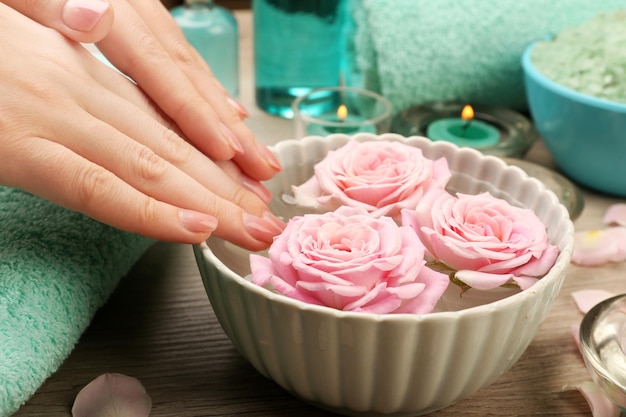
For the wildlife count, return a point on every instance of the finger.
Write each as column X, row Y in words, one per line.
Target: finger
column 81, row 20
column 239, row 177
column 80, row 185
column 255, row 160
column 165, row 143
column 156, row 73
column 223, row 178
column 200, row 167
column 169, row 169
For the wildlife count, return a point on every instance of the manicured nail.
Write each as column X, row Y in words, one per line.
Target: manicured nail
column 239, row 108
column 231, row 138
column 278, row 223
column 197, row 222
column 269, row 156
column 258, row 188
column 83, row 15
column 265, row 228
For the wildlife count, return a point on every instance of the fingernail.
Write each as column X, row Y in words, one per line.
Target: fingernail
column 197, row 222
column 259, row 189
column 278, row 223
column 239, row 108
column 231, row 138
column 265, row 228
column 83, row 15
column 269, row 156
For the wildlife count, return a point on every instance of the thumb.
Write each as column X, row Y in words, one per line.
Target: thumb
column 87, row 21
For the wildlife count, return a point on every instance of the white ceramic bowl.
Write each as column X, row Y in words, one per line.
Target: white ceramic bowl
column 384, row 365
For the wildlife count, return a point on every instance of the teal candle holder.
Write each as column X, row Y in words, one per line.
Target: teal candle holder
column 348, row 110
column 493, row 130
column 472, row 133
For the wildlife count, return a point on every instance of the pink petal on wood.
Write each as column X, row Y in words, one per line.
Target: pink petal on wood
column 586, row 299
column 599, row 403
column 598, row 247
column 615, row 215
column 112, row 395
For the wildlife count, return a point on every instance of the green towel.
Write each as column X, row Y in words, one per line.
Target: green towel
column 57, row 267
column 419, row 51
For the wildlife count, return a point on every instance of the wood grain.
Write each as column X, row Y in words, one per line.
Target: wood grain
column 159, row 327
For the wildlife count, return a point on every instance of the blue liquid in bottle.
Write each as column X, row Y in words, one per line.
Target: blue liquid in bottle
column 298, row 46
column 213, row 32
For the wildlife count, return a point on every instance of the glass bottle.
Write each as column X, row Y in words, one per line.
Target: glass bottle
column 298, row 46
column 213, row 31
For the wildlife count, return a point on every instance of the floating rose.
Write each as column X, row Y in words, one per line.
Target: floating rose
column 486, row 240
column 382, row 177
column 349, row 260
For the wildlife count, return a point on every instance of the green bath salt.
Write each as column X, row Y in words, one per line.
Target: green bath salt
column 590, row 58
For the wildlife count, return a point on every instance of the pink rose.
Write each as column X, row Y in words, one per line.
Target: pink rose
column 382, row 177
column 351, row 261
column 485, row 239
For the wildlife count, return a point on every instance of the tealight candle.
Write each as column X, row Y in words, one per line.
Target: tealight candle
column 516, row 132
column 348, row 110
column 339, row 122
column 464, row 131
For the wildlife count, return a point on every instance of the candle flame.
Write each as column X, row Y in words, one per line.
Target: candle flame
column 342, row 113
column 467, row 113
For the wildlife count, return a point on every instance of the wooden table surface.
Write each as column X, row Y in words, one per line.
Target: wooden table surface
column 158, row 326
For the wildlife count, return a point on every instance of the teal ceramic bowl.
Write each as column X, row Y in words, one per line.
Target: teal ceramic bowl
column 585, row 135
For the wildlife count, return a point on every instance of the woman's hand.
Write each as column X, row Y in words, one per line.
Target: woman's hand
column 78, row 133
column 145, row 43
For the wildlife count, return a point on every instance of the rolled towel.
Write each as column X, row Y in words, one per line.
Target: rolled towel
column 419, row 51
column 57, row 267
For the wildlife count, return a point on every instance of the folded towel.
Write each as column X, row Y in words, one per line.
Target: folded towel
column 418, row 51
column 57, row 267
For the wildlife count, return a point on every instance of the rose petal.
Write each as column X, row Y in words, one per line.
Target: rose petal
column 112, row 395
column 615, row 215
column 599, row 403
column 586, row 299
column 385, row 306
column 524, row 282
column 437, row 283
column 378, row 300
column 482, row 280
column 261, row 269
column 597, row 247
column 539, row 266
column 284, row 288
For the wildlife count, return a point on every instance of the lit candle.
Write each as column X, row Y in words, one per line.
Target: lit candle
column 464, row 131
column 339, row 122
column 348, row 110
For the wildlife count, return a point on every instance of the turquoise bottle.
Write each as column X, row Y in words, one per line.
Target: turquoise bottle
column 299, row 45
column 213, row 31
